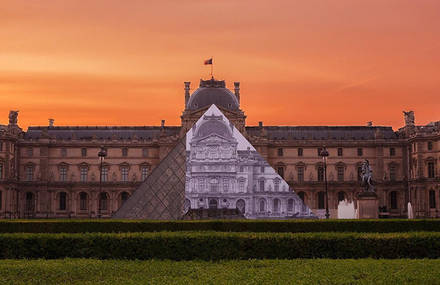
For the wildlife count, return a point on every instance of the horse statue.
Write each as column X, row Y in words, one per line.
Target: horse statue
column 367, row 176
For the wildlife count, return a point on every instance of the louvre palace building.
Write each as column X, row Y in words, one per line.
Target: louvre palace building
column 54, row 171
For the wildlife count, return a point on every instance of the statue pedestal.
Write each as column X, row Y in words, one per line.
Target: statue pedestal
column 367, row 205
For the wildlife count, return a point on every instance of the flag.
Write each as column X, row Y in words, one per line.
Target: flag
column 208, row 61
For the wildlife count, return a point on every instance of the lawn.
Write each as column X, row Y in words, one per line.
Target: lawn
column 298, row 271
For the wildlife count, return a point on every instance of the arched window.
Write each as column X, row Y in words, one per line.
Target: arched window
column 276, row 205
column 241, row 206
column 432, row 201
column 321, row 200
column 30, row 203
column 62, row 201
column 341, row 196
column 290, row 205
column 262, row 205
column 393, row 200
column 103, row 201
column 83, row 197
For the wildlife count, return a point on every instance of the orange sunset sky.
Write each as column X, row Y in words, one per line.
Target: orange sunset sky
column 341, row 62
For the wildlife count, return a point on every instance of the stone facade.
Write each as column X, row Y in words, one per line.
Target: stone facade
column 52, row 171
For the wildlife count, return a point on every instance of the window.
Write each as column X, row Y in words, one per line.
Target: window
column 124, row 152
column 144, row 172
column 431, row 169
column 262, row 169
column 145, row 152
column 241, row 185
column 276, row 205
column 341, row 196
column 319, row 150
column 290, row 205
column 320, row 173
column 280, row 152
column 393, row 200
column 300, row 152
column 29, row 173
column 225, row 185
column 300, row 174
column 1, row 171
column 124, row 174
column 430, row 146
column 392, row 151
column 62, row 201
column 261, row 183
column 340, row 170
column 392, row 172
column 83, row 152
column 262, row 205
column 201, row 185
column 1, row 199
column 63, row 152
column 30, row 151
column 276, row 184
column 214, row 185
column 213, row 204
column 280, row 171
column 302, row 195
column 321, row 200
column 124, row 197
column 241, row 206
column 360, row 152
column 83, row 201
column 63, row 173
column 339, row 151
column 103, row 201
column 432, row 201
column 241, row 168
column 30, row 204
column 359, row 170
column 104, row 174
column 83, row 173
column 1, row 146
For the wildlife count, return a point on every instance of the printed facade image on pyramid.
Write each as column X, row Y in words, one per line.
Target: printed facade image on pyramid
column 224, row 171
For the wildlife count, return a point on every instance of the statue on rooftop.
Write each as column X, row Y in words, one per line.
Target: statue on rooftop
column 13, row 115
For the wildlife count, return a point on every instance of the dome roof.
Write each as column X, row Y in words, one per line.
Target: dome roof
column 212, row 92
column 213, row 125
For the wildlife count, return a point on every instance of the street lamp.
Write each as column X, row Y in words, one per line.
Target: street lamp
column 324, row 155
column 101, row 155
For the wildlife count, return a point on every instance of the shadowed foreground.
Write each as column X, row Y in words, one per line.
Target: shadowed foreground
column 299, row 271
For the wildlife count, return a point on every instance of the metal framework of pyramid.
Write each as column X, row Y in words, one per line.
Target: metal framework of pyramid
column 214, row 168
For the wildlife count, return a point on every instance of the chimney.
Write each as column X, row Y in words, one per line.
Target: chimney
column 187, row 87
column 51, row 121
column 162, row 124
column 237, row 91
column 260, row 124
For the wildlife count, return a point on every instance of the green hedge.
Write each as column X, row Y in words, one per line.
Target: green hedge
column 295, row 226
column 217, row 245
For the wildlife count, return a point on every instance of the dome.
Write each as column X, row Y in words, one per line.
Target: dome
column 213, row 125
column 213, row 92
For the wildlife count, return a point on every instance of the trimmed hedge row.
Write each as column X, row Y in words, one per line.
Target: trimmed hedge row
column 294, row 226
column 216, row 245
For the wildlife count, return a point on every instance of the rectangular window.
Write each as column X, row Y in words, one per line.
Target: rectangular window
column 1, row 199
column 1, row 146
column 339, row 151
column 144, row 173
column 83, row 201
column 30, row 151
column 63, row 174
column 124, row 174
column 360, row 152
column 300, row 174
column 145, row 152
column 321, row 200
column 241, row 186
column 276, row 185
column 340, row 170
column 280, row 171
column 225, row 185
column 84, row 152
column 320, row 173
column 29, row 173
column 201, row 185
column 393, row 200
column 430, row 146
column 125, row 152
column 392, row 151
column 63, row 201
column 432, row 202
column 104, row 174
column 431, row 170
column 280, row 152
column 262, row 169
column 262, row 185
column 300, row 152
column 392, row 173
column 63, row 152
column 83, row 174
column 1, row 171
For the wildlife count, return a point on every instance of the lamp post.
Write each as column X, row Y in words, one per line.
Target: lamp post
column 324, row 154
column 101, row 155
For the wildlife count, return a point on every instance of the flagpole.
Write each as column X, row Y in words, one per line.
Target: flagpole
column 212, row 66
